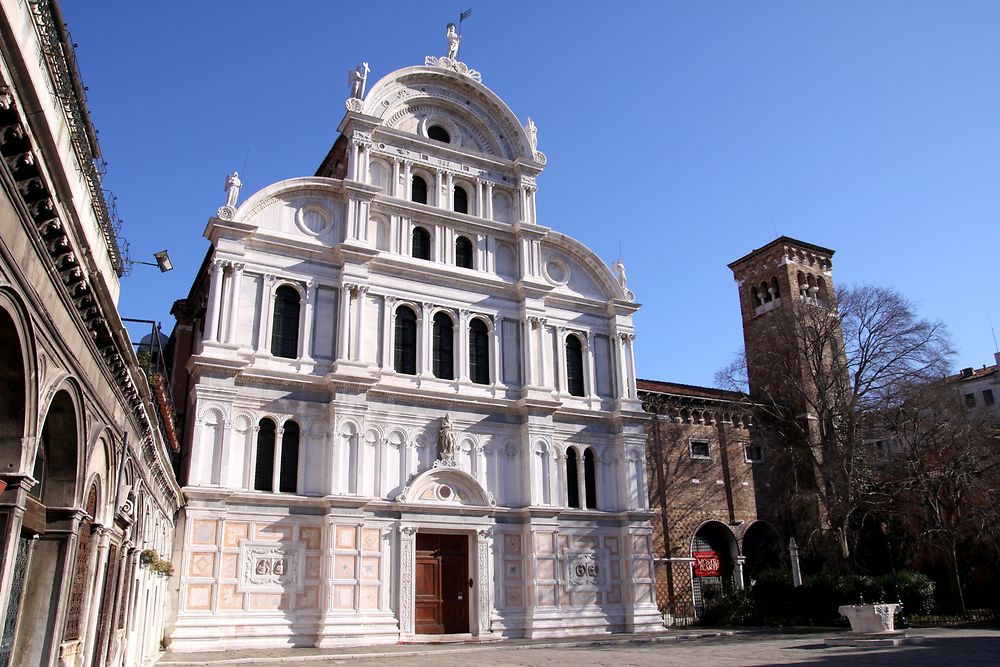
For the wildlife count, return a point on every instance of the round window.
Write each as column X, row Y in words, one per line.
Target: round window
column 438, row 133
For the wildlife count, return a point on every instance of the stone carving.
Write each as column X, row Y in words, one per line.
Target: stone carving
column 532, row 131
column 583, row 570
column 407, row 535
column 358, row 77
column 619, row 269
column 485, row 537
column 455, row 66
column 233, row 184
column 354, row 104
column 270, row 567
column 454, row 41
column 870, row 618
column 446, row 444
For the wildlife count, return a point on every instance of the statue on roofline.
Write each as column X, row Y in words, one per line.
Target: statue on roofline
column 454, row 39
column 358, row 77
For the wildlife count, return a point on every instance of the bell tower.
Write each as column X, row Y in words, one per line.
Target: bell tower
column 777, row 282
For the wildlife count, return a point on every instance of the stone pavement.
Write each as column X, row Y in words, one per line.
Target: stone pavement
column 936, row 646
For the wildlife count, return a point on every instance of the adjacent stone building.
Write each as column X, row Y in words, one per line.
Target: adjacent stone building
column 412, row 406
column 86, row 486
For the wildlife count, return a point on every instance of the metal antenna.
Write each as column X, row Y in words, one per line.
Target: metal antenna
column 996, row 348
column 245, row 159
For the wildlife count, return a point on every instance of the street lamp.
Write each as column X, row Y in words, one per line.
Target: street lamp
column 163, row 262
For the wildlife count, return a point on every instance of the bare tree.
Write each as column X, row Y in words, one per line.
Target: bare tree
column 814, row 368
column 942, row 473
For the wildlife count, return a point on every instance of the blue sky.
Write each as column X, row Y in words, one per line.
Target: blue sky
column 688, row 132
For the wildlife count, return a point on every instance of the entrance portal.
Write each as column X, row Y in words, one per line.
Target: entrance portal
column 441, row 580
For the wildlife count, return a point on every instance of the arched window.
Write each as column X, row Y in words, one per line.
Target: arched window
column 444, row 347
column 755, row 297
column 590, row 478
column 263, row 477
column 405, row 347
column 288, row 477
column 572, row 483
column 574, row 365
column 418, row 190
column 438, row 133
column 479, row 352
column 774, row 286
column 463, row 252
column 421, row 243
column 285, row 325
column 461, row 200
column 765, row 292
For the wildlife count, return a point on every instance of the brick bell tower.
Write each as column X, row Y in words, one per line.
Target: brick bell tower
column 776, row 283
column 786, row 289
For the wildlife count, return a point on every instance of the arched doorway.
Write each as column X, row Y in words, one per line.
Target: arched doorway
column 50, row 526
column 761, row 549
column 713, row 549
column 13, row 398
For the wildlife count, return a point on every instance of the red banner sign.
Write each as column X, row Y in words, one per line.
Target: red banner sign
column 706, row 564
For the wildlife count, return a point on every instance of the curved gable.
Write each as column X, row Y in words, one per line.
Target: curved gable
column 412, row 96
column 574, row 268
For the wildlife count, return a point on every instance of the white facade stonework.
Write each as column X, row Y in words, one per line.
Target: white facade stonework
column 399, row 435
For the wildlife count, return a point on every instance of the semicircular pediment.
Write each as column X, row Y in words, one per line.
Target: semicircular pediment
column 446, row 486
column 401, row 96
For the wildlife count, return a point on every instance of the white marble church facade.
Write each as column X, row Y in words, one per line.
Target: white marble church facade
column 399, row 381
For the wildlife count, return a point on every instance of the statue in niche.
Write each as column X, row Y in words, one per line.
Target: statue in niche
column 454, row 39
column 358, row 78
column 446, row 441
column 279, row 567
column 263, row 566
column 233, row 184
column 532, row 131
column 619, row 269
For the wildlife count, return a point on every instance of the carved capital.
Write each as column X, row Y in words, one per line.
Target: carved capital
column 407, row 532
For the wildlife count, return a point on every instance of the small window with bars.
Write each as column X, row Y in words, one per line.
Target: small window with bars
column 700, row 449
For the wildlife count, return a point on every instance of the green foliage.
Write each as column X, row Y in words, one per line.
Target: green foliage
column 772, row 600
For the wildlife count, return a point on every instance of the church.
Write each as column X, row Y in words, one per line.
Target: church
column 410, row 408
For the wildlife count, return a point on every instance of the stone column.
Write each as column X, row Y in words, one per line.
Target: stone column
column 738, row 571
column 561, row 491
column 393, row 188
column 590, row 358
column 484, row 578
column 630, row 370
column 496, row 351
column 234, row 302
column 96, row 591
column 522, row 203
column 622, row 374
column 489, row 200
column 407, row 180
column 561, row 351
column 279, row 437
column 407, row 583
column 360, row 332
column 581, row 480
column 266, row 315
column 480, row 204
column 530, row 201
column 213, row 314
column 450, row 194
column 528, row 344
column 439, row 201
column 344, row 320
column 305, row 340
column 462, row 345
column 388, row 305
column 545, row 368
column 424, row 339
